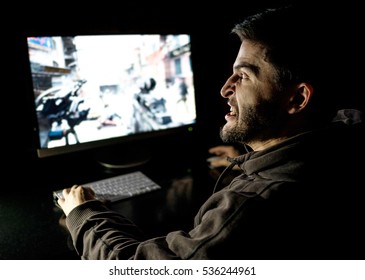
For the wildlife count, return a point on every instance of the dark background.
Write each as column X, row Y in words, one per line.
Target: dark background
column 214, row 50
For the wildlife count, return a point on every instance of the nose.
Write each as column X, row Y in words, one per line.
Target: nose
column 228, row 88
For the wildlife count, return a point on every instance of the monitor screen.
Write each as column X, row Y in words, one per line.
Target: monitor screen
column 97, row 90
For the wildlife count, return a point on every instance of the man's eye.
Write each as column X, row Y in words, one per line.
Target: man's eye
column 244, row 76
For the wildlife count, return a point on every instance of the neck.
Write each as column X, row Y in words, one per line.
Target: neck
column 261, row 145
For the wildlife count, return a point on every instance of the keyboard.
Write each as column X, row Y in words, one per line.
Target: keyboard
column 119, row 187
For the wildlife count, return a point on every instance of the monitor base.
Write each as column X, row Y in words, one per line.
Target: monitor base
column 122, row 159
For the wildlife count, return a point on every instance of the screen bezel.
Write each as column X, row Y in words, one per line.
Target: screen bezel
column 109, row 142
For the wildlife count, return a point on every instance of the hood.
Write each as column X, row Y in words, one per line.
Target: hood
column 302, row 157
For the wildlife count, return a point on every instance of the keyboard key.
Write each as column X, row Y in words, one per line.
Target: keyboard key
column 119, row 187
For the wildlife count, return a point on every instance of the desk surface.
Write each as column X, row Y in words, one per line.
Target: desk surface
column 30, row 223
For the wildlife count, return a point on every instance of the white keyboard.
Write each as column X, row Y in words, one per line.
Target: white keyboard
column 119, row 187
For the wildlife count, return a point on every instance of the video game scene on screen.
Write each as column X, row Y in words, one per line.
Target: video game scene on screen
column 84, row 86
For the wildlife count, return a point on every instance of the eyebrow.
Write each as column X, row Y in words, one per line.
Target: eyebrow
column 253, row 68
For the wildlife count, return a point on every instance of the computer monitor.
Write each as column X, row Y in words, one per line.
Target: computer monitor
column 96, row 91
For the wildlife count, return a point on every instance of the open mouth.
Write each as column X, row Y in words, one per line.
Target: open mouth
column 232, row 112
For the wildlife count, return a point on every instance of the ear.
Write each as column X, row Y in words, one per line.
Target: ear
column 300, row 97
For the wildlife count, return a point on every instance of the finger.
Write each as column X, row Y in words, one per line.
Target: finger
column 74, row 187
column 60, row 202
column 219, row 162
column 66, row 191
column 214, row 150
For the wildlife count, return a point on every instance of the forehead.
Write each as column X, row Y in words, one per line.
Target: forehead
column 252, row 53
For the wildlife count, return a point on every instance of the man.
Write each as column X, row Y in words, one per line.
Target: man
column 297, row 196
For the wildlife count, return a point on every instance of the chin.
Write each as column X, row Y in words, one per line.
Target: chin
column 229, row 126
column 225, row 131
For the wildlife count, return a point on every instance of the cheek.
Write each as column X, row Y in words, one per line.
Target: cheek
column 246, row 97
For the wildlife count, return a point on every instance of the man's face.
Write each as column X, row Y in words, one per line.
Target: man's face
column 257, row 107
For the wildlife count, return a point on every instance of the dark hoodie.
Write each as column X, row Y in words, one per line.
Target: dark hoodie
column 300, row 199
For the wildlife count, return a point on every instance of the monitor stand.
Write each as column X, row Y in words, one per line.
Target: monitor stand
column 118, row 158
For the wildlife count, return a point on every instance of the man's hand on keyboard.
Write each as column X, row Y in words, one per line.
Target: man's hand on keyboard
column 74, row 196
